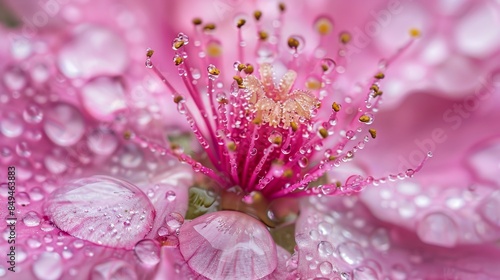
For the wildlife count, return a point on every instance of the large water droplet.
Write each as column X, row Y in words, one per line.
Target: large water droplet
column 113, row 269
column 95, row 209
column 11, row 126
column 365, row 273
column 325, row 268
column 91, row 52
column 380, row 239
column 64, row 124
column 351, row 253
column 103, row 98
column 148, row 252
column 102, row 141
column 31, row 219
column 325, row 249
column 14, row 78
column 490, row 209
column 438, row 228
column 48, row 266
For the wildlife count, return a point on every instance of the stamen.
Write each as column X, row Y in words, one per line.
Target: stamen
column 257, row 15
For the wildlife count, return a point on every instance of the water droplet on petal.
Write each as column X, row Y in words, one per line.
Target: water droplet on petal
column 31, row 219
column 326, row 268
column 113, row 269
column 438, row 228
column 490, row 209
column 325, row 249
column 237, row 245
column 78, row 208
column 351, row 253
column 148, row 252
column 14, row 78
column 33, row 114
column 103, row 98
column 380, row 239
column 93, row 51
column 48, row 266
column 365, row 273
column 102, row 141
column 11, row 126
column 170, row 195
column 64, row 124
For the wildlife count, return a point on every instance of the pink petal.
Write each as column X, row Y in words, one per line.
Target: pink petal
column 228, row 245
column 102, row 210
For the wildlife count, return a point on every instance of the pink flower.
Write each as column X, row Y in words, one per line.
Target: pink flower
column 294, row 178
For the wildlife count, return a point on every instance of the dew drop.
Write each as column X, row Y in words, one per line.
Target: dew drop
column 326, row 268
column 33, row 114
column 170, row 195
column 91, row 52
column 31, row 219
column 11, row 126
column 380, row 239
column 438, row 228
column 102, row 141
column 351, row 253
column 64, row 124
column 325, row 249
column 148, row 252
column 48, row 266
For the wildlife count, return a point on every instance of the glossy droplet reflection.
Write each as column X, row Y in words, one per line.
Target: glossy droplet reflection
column 325, row 249
column 490, row 209
column 351, row 253
column 91, row 52
column 113, row 269
column 103, row 97
column 237, row 245
column 102, row 210
column 102, row 141
column 48, row 266
column 148, row 252
column 438, row 229
column 64, row 124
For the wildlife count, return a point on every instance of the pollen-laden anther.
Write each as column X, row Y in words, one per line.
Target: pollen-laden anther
column 278, row 105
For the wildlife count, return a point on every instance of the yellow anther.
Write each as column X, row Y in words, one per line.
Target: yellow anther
column 294, row 126
column 293, row 43
column 373, row 133
column 282, row 7
column 415, row 32
column 149, row 53
column 178, row 44
column 335, row 107
column 323, row 132
column 127, row 135
column 345, row 37
column 249, row 69
column 240, row 23
column 338, row 184
column 257, row 15
column 331, row 158
column 178, row 60
column 214, row 71
column 263, row 35
column 214, row 49
column 257, row 120
column 197, row 21
column 277, row 140
column 379, row 75
column 178, row 99
column 231, row 146
column 324, row 26
column 288, row 173
column 375, row 88
column 239, row 81
column 364, row 119
column 209, row 27
column 377, row 93
column 241, row 67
